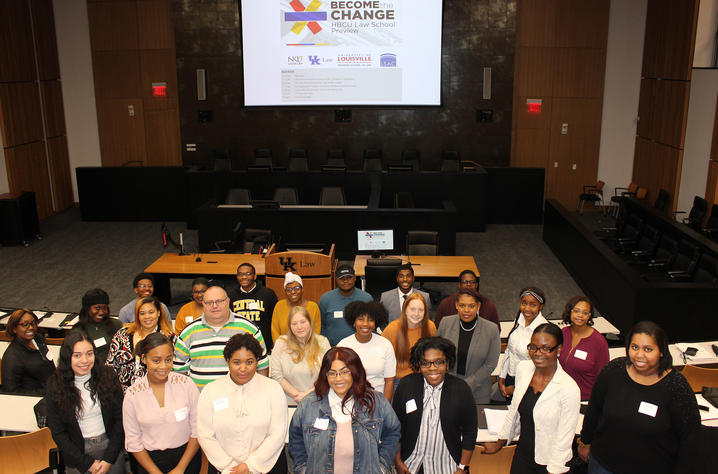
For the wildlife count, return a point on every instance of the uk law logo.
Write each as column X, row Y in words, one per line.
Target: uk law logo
column 314, row 60
column 305, row 16
column 387, row 60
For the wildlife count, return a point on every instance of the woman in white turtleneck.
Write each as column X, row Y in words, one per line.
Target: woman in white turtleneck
column 84, row 411
column 528, row 319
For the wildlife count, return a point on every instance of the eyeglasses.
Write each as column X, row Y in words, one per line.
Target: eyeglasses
column 468, row 282
column 438, row 363
column 211, row 303
column 332, row 374
column 145, row 287
column 245, row 274
column 27, row 324
column 293, row 289
column 542, row 349
column 198, row 292
column 578, row 311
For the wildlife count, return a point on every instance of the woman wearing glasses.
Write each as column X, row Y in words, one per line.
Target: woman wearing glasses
column 586, row 350
column 544, row 408
column 25, row 364
column 477, row 342
column 436, row 411
column 242, row 416
column 294, row 290
column 345, row 426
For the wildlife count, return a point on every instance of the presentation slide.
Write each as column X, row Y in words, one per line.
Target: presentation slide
column 375, row 240
column 316, row 52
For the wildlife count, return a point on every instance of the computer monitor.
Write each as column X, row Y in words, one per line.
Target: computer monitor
column 375, row 240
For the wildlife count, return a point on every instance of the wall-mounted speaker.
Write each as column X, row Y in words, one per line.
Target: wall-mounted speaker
column 201, row 84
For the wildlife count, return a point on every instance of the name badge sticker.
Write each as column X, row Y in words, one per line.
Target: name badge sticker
column 411, row 406
column 321, row 423
column 338, row 314
column 648, row 409
column 579, row 354
column 181, row 414
column 253, row 305
column 188, row 319
column 100, row 341
column 221, row 404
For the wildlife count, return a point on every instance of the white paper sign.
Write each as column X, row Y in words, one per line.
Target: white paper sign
column 579, row 354
column 648, row 409
column 321, row 423
column 99, row 342
column 411, row 406
column 181, row 414
column 338, row 314
column 188, row 319
column 221, row 404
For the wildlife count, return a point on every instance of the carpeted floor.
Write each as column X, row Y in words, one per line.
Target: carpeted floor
column 74, row 256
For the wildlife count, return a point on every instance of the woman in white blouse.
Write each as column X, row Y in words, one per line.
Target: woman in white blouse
column 159, row 413
column 297, row 356
column 528, row 318
column 242, row 416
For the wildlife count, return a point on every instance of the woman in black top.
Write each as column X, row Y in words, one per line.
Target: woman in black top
column 642, row 415
column 25, row 364
column 455, row 415
column 84, row 409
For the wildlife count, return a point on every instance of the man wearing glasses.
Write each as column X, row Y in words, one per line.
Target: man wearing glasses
column 252, row 301
column 294, row 289
column 143, row 285
column 468, row 280
column 199, row 348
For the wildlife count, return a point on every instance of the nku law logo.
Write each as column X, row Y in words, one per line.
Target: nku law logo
column 305, row 16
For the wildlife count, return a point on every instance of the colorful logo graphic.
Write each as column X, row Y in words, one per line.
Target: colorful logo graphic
column 387, row 60
column 314, row 60
column 305, row 16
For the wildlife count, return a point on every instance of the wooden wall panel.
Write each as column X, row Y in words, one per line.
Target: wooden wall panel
column 113, row 25
column 60, row 173
column 712, row 182
column 117, row 74
column 27, row 171
column 656, row 167
column 162, row 133
column 20, row 118
column 579, row 72
column 530, row 149
column 663, row 111
column 122, row 137
column 16, row 51
column 525, row 120
column 155, row 27
column 536, row 23
column 53, row 108
column 584, row 24
column 158, row 66
column 45, row 44
column 536, row 72
column 670, row 38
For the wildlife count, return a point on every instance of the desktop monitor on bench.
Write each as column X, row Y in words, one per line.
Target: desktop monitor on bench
column 375, row 241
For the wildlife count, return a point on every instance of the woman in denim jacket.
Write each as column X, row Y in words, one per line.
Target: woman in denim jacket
column 345, row 426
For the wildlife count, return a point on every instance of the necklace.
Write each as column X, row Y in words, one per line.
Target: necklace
column 476, row 321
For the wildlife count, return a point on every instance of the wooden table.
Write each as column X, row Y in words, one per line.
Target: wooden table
column 428, row 267
column 171, row 265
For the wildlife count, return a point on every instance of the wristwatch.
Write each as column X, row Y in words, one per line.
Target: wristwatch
column 464, row 468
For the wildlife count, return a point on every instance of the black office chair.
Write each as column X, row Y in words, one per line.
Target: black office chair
column 411, row 158
column 297, row 164
column 591, row 193
column 711, row 228
column 422, row 242
column 332, row 196
column 403, row 200
column 238, row 196
column 707, row 270
column 646, row 246
column 372, row 164
column 683, row 265
column 286, row 196
column 298, row 153
column 262, row 160
column 697, row 215
column 336, row 157
column 380, row 275
column 221, row 160
column 662, row 200
column 450, row 166
column 256, row 239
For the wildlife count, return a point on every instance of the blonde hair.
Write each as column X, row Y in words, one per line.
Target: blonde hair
column 403, row 351
column 299, row 351
column 162, row 322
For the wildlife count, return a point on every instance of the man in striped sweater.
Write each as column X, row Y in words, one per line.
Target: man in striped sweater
column 199, row 348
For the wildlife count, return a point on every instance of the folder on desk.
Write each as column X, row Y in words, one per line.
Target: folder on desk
column 494, row 420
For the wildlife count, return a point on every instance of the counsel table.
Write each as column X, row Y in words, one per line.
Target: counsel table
column 428, row 267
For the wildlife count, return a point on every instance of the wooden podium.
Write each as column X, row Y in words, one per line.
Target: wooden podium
column 316, row 270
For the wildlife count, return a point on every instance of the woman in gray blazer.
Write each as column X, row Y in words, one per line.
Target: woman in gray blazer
column 477, row 344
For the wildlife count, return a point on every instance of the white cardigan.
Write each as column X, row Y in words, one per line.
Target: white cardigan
column 555, row 416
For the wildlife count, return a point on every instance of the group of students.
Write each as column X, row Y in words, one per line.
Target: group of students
column 366, row 403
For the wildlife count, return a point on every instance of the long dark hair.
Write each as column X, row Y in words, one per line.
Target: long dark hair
column 566, row 316
column 659, row 335
column 103, row 383
column 533, row 291
column 361, row 389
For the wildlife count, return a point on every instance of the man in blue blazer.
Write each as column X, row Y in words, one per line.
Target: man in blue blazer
column 394, row 299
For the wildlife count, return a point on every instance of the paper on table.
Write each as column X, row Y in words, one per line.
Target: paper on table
column 494, row 420
column 712, row 412
column 73, row 321
column 53, row 321
column 704, row 354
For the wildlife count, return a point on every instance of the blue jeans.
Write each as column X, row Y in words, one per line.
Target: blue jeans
column 595, row 468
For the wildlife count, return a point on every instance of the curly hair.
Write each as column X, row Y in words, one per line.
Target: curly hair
column 361, row 389
column 566, row 316
column 439, row 343
column 372, row 309
column 243, row 341
column 103, row 384
column 403, row 351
